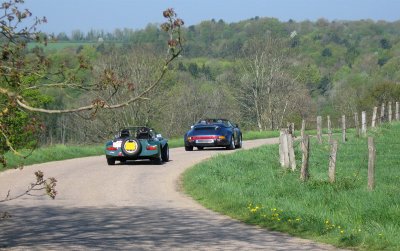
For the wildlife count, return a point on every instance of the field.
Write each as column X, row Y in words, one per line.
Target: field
column 252, row 187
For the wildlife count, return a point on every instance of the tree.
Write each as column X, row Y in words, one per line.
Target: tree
column 266, row 90
column 24, row 75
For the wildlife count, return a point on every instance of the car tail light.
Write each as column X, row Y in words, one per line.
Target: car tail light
column 111, row 148
column 149, row 147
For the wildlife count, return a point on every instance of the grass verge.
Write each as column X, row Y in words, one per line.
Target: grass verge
column 52, row 153
column 252, row 187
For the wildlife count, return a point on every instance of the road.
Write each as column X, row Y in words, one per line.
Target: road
column 137, row 206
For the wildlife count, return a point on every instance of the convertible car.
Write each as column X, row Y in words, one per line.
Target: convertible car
column 213, row 133
column 135, row 143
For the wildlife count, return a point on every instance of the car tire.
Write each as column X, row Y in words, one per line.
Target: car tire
column 200, row 148
column 240, row 144
column 188, row 148
column 231, row 144
column 110, row 161
column 165, row 153
column 129, row 152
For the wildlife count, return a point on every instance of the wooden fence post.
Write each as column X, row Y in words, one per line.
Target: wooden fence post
column 292, row 159
column 356, row 122
column 305, row 147
column 319, row 129
column 364, row 123
column 390, row 111
column 397, row 111
column 344, row 128
column 332, row 161
column 374, row 114
column 303, row 128
column 329, row 127
column 382, row 117
column 283, row 148
column 371, row 163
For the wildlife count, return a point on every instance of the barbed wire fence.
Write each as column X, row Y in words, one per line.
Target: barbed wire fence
column 332, row 136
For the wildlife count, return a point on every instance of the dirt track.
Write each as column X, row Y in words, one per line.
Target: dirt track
column 136, row 206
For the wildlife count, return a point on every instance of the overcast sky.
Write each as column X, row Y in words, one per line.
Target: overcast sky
column 107, row 15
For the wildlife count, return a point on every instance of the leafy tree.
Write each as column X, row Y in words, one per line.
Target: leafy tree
column 24, row 76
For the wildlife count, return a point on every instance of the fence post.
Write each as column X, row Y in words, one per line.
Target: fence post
column 371, row 163
column 344, row 128
column 332, row 161
column 390, row 111
column 292, row 159
column 364, row 123
column 397, row 111
column 283, row 148
column 303, row 128
column 356, row 122
column 374, row 114
column 319, row 129
column 382, row 117
column 305, row 147
column 329, row 127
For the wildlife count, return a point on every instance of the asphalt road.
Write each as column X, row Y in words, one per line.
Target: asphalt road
column 137, row 206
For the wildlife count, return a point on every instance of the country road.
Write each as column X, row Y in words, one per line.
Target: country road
column 137, row 206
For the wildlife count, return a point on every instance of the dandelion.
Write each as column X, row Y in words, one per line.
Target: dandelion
column 341, row 231
column 326, row 222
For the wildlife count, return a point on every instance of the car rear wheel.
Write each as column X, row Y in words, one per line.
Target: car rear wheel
column 231, row 144
column 240, row 144
column 188, row 148
column 110, row 161
column 165, row 153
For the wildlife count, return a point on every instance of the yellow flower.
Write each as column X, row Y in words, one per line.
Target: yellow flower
column 326, row 222
column 342, row 231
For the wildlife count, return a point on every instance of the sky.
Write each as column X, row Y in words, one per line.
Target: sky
column 68, row 15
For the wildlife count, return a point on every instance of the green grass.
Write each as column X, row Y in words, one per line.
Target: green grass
column 252, row 187
column 52, row 153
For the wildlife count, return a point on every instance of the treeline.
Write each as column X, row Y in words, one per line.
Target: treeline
column 261, row 73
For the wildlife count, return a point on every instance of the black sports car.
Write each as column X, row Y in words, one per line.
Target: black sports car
column 213, row 133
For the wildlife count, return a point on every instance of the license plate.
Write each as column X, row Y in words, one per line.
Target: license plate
column 207, row 141
column 117, row 144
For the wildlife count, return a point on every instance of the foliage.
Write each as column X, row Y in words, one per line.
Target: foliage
column 29, row 78
column 252, row 187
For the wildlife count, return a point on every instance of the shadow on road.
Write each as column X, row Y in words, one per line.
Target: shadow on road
column 133, row 228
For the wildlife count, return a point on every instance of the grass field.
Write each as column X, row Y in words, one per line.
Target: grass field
column 62, row 152
column 252, row 187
